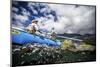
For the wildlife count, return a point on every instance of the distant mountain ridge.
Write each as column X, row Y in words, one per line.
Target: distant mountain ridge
column 79, row 36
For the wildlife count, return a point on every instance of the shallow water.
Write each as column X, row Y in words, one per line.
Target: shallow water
column 48, row 55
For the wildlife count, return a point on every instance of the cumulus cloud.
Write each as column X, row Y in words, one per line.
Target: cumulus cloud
column 15, row 9
column 59, row 25
column 25, row 12
column 45, row 10
column 31, row 7
column 19, row 20
column 70, row 18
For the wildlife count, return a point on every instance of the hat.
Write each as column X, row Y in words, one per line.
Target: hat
column 34, row 21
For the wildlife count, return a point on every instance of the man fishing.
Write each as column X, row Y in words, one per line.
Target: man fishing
column 33, row 28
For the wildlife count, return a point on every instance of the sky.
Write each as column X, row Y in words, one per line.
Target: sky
column 65, row 18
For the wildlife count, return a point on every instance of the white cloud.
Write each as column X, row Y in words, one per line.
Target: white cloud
column 19, row 21
column 21, row 18
column 74, row 19
column 25, row 12
column 45, row 10
column 71, row 19
column 49, row 24
column 15, row 9
column 30, row 5
column 60, row 26
column 18, row 25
